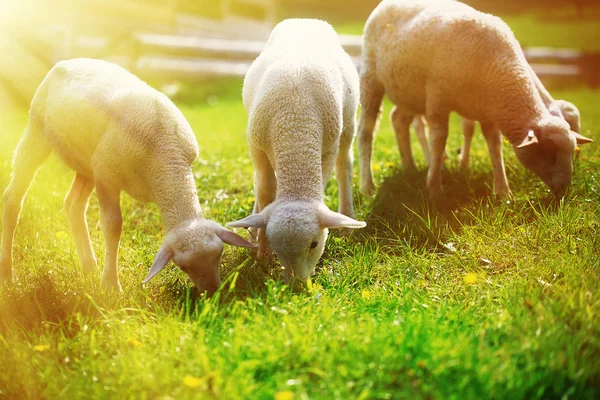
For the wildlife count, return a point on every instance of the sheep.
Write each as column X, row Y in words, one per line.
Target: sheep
column 560, row 108
column 301, row 95
column 117, row 133
column 432, row 58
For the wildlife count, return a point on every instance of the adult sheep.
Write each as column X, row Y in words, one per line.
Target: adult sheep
column 116, row 133
column 432, row 58
column 301, row 95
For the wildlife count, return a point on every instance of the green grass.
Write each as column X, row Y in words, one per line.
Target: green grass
column 389, row 314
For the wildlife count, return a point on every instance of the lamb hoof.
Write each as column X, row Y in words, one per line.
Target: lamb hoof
column 89, row 267
column 437, row 198
column 368, row 189
column 504, row 194
column 410, row 169
column 112, row 283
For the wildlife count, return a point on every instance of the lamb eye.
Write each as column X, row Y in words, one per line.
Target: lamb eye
column 314, row 244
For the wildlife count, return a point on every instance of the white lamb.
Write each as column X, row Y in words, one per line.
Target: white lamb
column 434, row 57
column 559, row 108
column 116, row 133
column 301, row 95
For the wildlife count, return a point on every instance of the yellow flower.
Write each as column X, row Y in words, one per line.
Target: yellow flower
column 192, row 381
column 286, row 395
column 376, row 167
column 309, row 284
column 133, row 342
column 470, row 278
column 41, row 347
column 366, row 294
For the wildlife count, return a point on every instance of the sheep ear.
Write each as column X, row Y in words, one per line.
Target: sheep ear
column 233, row 238
column 251, row 221
column 163, row 257
column 332, row 220
column 529, row 139
column 580, row 138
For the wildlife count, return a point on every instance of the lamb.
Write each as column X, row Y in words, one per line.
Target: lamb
column 560, row 108
column 116, row 133
column 432, row 58
column 301, row 95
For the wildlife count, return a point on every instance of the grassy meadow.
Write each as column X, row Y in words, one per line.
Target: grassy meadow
column 474, row 298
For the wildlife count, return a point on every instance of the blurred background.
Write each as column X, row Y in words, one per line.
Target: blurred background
column 177, row 43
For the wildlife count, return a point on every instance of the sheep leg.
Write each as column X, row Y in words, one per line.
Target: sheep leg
column 76, row 204
column 401, row 122
column 468, row 128
column 493, row 137
column 265, row 188
column 370, row 99
column 343, row 170
column 112, row 224
column 31, row 152
column 438, row 133
column 419, row 126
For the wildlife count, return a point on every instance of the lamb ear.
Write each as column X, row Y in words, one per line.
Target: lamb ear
column 251, row 221
column 163, row 257
column 528, row 140
column 233, row 238
column 330, row 219
column 580, row 138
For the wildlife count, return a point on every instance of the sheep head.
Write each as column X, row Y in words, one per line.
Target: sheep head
column 548, row 149
column 196, row 247
column 297, row 232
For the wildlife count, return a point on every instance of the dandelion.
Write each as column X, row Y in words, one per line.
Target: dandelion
column 286, row 395
column 62, row 235
column 133, row 342
column 376, row 167
column 470, row 278
column 41, row 347
column 366, row 294
column 192, row 381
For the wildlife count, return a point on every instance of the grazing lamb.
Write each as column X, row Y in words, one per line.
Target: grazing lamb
column 301, row 95
column 432, row 58
column 559, row 108
column 116, row 133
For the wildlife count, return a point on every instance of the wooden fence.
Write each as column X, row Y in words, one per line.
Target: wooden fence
column 185, row 47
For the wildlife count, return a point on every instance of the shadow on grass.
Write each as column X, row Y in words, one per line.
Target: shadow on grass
column 41, row 300
column 401, row 213
column 402, row 210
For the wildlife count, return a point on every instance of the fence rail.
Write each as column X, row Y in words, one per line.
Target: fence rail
column 195, row 57
column 192, row 48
